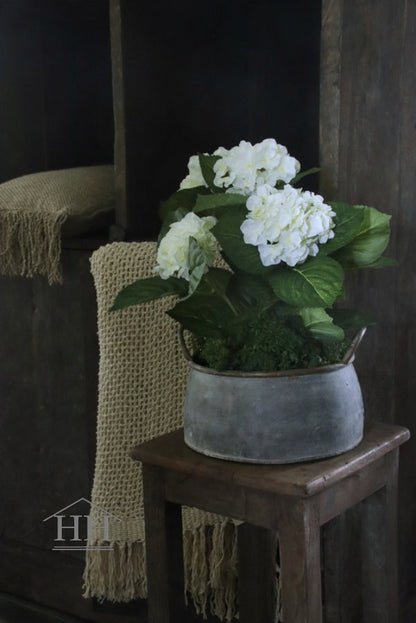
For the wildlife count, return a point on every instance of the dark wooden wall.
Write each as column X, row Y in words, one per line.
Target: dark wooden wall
column 48, row 372
column 368, row 155
column 55, row 112
column 55, row 84
column 189, row 78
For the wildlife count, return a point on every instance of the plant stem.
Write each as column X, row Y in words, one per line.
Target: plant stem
column 230, row 305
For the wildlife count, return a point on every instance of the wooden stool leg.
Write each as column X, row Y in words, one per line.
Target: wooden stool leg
column 164, row 559
column 256, row 574
column 299, row 542
column 333, row 538
column 379, row 549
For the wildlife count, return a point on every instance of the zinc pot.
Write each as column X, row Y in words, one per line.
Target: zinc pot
column 280, row 417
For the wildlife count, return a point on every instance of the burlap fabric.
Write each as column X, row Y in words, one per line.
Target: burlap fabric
column 36, row 209
column 142, row 376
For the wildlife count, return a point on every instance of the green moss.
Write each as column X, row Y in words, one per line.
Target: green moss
column 215, row 352
column 267, row 344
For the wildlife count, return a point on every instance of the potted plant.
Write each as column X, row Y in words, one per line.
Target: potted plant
column 257, row 266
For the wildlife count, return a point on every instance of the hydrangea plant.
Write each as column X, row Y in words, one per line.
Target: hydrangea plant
column 258, row 264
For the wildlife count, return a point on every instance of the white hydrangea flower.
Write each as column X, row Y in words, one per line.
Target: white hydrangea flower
column 287, row 225
column 194, row 177
column 172, row 255
column 245, row 167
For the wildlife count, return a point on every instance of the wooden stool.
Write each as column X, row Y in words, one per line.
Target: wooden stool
column 295, row 500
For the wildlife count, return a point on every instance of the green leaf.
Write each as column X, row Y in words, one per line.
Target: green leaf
column 320, row 324
column 350, row 319
column 303, row 174
column 203, row 315
column 247, row 290
column 215, row 281
column 207, row 168
column 197, row 265
column 181, row 199
column 371, row 241
column 383, row 262
column 236, row 252
column 316, row 283
column 145, row 290
column 218, row 200
column 348, row 221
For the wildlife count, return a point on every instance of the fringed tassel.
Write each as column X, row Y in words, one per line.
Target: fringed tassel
column 210, row 561
column 223, row 570
column 210, row 555
column 30, row 244
column 196, row 567
column 117, row 575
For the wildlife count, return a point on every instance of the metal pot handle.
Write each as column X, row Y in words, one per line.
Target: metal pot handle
column 350, row 354
column 183, row 345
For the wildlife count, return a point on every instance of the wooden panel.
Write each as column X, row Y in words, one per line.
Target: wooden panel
column 368, row 150
column 48, row 386
column 367, row 167
column 404, row 348
column 76, row 67
column 256, row 560
column 379, row 551
column 21, row 126
column 164, row 555
column 329, row 89
column 54, row 580
column 120, row 163
column 55, row 80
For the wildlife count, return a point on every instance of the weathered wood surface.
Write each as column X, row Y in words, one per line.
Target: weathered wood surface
column 54, row 580
column 256, row 559
column 56, row 112
column 341, row 581
column 119, row 108
column 288, row 500
column 300, row 561
column 48, row 389
column 367, row 155
column 163, row 535
column 301, row 479
column 378, row 538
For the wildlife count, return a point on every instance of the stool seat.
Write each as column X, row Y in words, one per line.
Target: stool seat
column 295, row 501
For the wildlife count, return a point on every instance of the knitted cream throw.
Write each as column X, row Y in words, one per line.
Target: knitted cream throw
column 142, row 377
column 35, row 209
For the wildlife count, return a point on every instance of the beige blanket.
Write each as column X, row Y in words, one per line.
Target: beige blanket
column 142, row 378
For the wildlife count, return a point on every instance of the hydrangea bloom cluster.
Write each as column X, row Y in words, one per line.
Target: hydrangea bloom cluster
column 287, row 225
column 244, row 167
column 172, row 256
